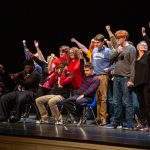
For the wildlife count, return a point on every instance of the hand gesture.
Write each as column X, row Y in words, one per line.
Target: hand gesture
column 108, row 27
column 119, row 49
column 130, row 84
column 73, row 40
column 24, row 42
column 81, row 96
column 36, row 43
column 106, row 70
column 143, row 30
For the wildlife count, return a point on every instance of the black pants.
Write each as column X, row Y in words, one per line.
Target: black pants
column 75, row 107
column 143, row 94
column 15, row 100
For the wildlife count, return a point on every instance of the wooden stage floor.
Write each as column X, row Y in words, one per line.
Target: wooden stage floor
column 84, row 134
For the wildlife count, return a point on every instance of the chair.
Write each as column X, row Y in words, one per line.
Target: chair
column 28, row 108
column 90, row 105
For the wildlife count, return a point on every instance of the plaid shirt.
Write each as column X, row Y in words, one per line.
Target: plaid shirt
column 89, row 86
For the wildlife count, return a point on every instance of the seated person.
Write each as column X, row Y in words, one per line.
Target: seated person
column 61, row 82
column 74, row 105
column 27, row 81
column 5, row 81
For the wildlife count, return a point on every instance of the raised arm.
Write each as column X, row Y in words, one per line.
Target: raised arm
column 145, row 37
column 50, row 60
column 111, row 36
column 80, row 45
column 24, row 48
column 41, row 57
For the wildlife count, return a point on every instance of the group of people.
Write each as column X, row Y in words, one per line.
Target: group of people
column 113, row 69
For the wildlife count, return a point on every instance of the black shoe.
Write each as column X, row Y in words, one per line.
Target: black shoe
column 13, row 119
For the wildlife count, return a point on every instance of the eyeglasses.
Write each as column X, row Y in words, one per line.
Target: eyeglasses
column 71, row 53
column 119, row 37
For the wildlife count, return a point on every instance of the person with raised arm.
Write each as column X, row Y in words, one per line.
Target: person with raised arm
column 61, row 82
column 40, row 55
column 75, row 67
column 145, row 36
column 142, row 85
column 27, row 56
column 123, row 82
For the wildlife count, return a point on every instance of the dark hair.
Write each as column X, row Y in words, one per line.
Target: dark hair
column 88, row 65
column 64, row 63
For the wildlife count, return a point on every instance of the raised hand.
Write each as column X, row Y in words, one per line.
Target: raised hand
column 36, row 43
column 24, row 42
column 143, row 31
column 73, row 40
column 108, row 27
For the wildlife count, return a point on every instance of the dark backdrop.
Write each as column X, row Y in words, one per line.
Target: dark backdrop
column 53, row 23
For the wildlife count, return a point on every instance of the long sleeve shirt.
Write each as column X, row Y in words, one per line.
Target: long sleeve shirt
column 100, row 60
column 89, row 86
column 61, row 83
column 124, row 62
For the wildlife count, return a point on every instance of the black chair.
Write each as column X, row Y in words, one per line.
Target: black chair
column 28, row 108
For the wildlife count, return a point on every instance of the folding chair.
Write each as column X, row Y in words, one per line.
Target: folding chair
column 28, row 108
column 90, row 105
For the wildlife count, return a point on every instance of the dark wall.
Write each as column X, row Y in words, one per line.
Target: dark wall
column 53, row 23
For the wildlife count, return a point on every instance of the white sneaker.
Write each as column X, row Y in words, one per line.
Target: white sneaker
column 59, row 121
column 42, row 121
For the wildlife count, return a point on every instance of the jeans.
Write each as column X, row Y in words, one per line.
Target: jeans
column 122, row 95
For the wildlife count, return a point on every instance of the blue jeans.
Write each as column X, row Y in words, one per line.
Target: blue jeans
column 110, row 105
column 122, row 95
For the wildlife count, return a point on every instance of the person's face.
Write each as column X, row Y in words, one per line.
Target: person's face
column 88, row 71
column 71, row 54
column 143, row 47
column 120, row 40
column 62, row 54
column 98, row 44
column 28, row 69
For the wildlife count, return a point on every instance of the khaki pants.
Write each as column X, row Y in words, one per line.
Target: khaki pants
column 101, row 97
column 52, row 101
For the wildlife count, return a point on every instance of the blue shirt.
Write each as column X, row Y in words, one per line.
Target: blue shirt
column 100, row 60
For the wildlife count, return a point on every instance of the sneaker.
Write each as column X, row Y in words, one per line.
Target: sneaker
column 103, row 122
column 113, row 126
column 42, row 121
column 59, row 121
column 129, row 127
column 139, row 128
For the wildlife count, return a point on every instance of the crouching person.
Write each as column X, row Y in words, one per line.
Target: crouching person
column 74, row 105
column 61, row 83
column 27, row 83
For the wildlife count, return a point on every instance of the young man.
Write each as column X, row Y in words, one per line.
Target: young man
column 27, row 83
column 124, row 58
column 101, row 63
column 84, row 94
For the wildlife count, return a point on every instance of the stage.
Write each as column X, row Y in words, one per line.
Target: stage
column 86, row 134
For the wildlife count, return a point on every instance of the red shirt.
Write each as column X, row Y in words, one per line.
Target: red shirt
column 75, row 69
